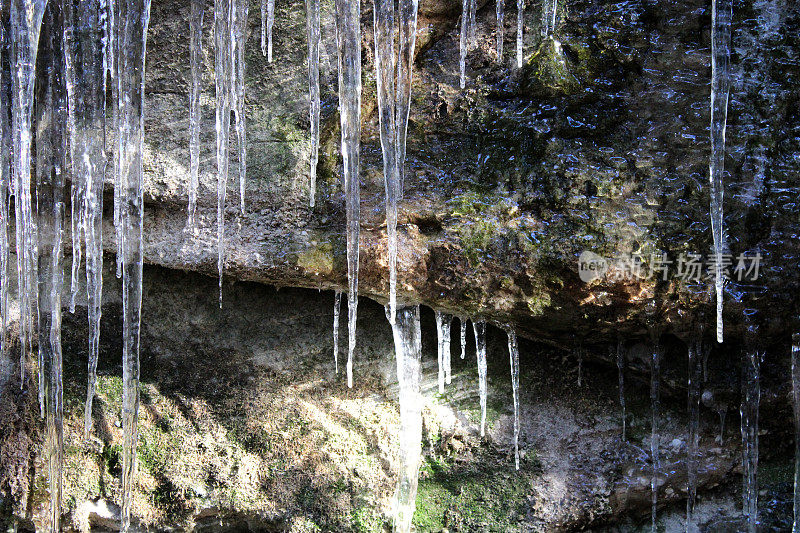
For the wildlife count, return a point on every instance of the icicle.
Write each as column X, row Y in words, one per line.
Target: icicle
column 131, row 20
column 796, row 404
column 408, row 352
column 464, row 40
column 196, row 60
column 407, row 41
column 51, row 147
column 621, row 373
column 264, row 27
column 463, row 337
column 722, row 14
column 655, row 371
column 270, row 22
column 239, row 29
column 87, row 82
column 26, row 20
column 549, row 13
column 337, row 303
column 385, row 70
column 479, row 329
column 223, row 72
column 520, row 21
column 751, row 396
column 5, row 182
column 348, row 36
column 313, row 26
column 443, row 321
column 695, row 375
column 499, row 7
column 513, row 354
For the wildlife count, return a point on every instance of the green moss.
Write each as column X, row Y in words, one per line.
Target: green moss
column 317, row 259
column 365, row 519
column 479, row 497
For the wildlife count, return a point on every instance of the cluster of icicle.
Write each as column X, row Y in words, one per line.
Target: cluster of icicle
column 83, row 44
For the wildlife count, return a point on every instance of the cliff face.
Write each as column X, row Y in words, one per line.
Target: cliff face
column 600, row 142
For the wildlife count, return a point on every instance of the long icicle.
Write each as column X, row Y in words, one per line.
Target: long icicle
column 796, row 405
column 337, row 304
column 51, row 152
column 408, row 353
column 26, row 21
column 751, row 396
column 513, row 354
column 131, row 20
column 385, row 70
column 440, row 318
column 499, row 10
column 722, row 15
column 223, row 73
column 655, row 377
column 5, row 181
column 196, row 66
column 479, row 329
column 86, row 80
column 621, row 378
column 407, row 40
column 313, row 30
column 270, row 23
column 549, row 14
column 348, row 36
column 694, row 374
column 520, row 24
column 463, row 44
column 240, row 11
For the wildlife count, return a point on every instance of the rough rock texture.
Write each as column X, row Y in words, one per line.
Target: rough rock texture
column 244, row 426
column 598, row 143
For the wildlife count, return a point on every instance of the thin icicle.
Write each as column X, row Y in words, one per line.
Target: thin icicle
column 408, row 353
column 621, row 375
column 520, row 24
column 513, row 354
column 463, row 337
column 223, row 74
column 751, row 396
column 5, row 182
column 131, row 20
column 443, row 322
column 722, row 15
column 264, row 27
column 479, row 329
column 313, row 30
column 655, row 377
column 196, row 65
column 549, row 14
column 385, row 71
column 51, row 149
column 87, row 82
column 407, row 40
column 694, row 377
column 499, row 10
column 270, row 23
column 348, row 37
column 796, row 405
column 465, row 40
column 239, row 29
column 337, row 304
column 26, row 21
